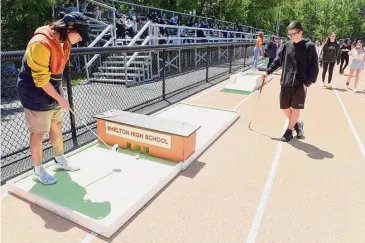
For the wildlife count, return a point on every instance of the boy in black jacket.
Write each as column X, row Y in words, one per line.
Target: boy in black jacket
column 299, row 61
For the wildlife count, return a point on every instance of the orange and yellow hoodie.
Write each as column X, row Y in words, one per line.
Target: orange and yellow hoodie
column 44, row 62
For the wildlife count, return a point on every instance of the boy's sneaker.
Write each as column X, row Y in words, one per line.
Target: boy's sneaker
column 288, row 135
column 62, row 164
column 43, row 177
column 330, row 86
column 299, row 129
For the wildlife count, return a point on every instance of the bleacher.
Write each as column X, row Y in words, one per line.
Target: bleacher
column 118, row 23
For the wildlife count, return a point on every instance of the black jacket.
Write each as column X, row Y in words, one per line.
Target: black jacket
column 330, row 53
column 345, row 48
column 299, row 62
column 271, row 49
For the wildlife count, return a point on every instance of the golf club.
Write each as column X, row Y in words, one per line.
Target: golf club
column 115, row 146
column 114, row 170
column 255, row 106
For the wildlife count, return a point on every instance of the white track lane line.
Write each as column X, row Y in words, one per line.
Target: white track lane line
column 207, row 91
column 265, row 194
column 351, row 124
column 242, row 101
column 257, row 90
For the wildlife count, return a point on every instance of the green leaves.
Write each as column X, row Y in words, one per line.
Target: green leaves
column 19, row 20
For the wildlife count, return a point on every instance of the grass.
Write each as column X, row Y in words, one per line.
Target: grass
column 74, row 82
column 78, row 81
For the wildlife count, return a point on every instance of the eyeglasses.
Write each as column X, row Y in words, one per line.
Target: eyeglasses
column 292, row 34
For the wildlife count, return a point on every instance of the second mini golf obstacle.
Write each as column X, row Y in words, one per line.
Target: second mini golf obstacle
column 111, row 187
column 244, row 82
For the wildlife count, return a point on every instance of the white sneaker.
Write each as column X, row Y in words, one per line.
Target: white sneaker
column 62, row 164
column 355, row 90
column 330, row 86
column 322, row 85
column 348, row 87
column 43, row 177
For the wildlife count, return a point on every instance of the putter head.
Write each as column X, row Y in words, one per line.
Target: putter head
column 115, row 148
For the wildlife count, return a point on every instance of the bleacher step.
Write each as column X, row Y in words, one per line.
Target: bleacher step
column 128, row 57
column 109, row 80
column 117, row 74
column 120, row 68
column 133, row 62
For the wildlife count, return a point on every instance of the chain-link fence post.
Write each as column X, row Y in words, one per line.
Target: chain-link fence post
column 163, row 74
column 230, row 53
column 70, row 100
column 207, row 68
column 244, row 59
column 114, row 30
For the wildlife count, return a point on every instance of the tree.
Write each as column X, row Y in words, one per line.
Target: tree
column 19, row 20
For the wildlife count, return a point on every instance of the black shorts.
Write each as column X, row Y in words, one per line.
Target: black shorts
column 292, row 97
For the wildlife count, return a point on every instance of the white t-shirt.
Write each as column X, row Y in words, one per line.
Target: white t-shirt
column 357, row 55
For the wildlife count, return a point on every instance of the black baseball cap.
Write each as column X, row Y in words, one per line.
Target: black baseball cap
column 81, row 24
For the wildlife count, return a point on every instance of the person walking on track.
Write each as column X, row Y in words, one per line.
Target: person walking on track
column 329, row 56
column 40, row 90
column 271, row 49
column 318, row 47
column 299, row 61
column 257, row 50
column 357, row 64
column 345, row 49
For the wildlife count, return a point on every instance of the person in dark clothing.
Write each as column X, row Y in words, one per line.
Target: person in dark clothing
column 121, row 28
column 299, row 61
column 271, row 50
column 329, row 56
column 345, row 48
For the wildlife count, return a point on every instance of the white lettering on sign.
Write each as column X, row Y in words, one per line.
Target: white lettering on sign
column 138, row 135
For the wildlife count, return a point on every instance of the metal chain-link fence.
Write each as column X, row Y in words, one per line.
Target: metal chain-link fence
column 121, row 78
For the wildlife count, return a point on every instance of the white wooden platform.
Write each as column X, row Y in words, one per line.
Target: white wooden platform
column 112, row 186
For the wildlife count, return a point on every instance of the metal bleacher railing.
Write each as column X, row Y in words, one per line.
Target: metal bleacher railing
column 177, row 72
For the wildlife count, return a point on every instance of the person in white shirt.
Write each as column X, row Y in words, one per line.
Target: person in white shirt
column 357, row 64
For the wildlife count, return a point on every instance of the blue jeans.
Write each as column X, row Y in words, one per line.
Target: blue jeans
column 256, row 56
